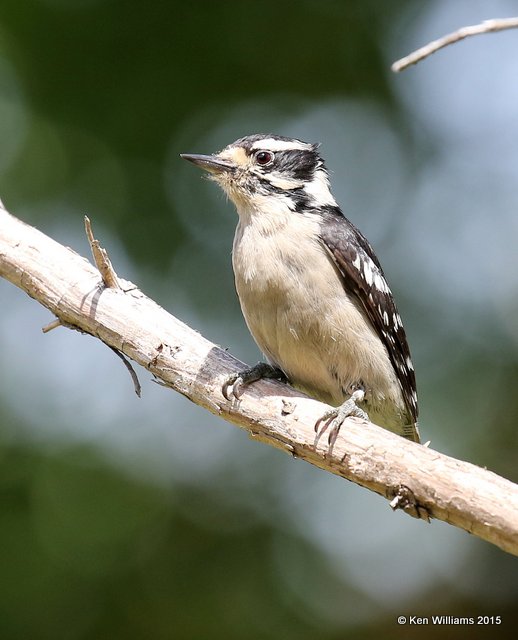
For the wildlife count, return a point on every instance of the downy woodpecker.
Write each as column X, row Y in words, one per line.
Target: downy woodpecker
column 311, row 288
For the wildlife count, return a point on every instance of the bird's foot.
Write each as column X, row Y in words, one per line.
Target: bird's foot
column 333, row 419
column 235, row 384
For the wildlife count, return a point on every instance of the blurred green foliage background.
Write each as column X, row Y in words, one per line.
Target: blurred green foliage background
column 127, row 518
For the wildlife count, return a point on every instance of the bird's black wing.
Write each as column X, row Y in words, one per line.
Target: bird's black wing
column 363, row 276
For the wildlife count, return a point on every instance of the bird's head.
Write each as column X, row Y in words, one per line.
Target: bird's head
column 262, row 172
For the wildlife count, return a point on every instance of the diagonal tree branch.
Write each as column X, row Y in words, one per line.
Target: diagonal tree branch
column 414, row 478
column 488, row 26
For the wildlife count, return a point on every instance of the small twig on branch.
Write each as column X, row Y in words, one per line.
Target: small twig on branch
column 131, row 370
column 101, row 258
column 111, row 281
column 51, row 325
column 488, row 26
column 421, row 482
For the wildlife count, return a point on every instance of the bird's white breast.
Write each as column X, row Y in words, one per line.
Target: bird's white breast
column 295, row 306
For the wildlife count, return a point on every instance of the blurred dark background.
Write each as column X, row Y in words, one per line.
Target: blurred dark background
column 127, row 518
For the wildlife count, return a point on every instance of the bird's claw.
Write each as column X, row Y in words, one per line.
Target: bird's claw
column 235, row 384
column 333, row 419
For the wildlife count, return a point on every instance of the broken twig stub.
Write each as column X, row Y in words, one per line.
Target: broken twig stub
column 102, row 261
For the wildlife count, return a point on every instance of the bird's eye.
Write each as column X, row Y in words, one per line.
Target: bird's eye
column 264, row 157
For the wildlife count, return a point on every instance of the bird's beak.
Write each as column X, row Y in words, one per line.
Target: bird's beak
column 214, row 164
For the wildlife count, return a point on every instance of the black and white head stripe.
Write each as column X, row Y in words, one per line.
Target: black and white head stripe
column 272, row 142
column 363, row 276
column 295, row 167
column 279, row 143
